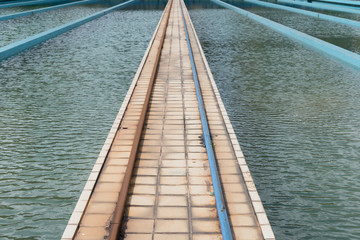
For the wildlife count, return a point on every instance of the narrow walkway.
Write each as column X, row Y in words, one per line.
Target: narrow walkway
column 170, row 194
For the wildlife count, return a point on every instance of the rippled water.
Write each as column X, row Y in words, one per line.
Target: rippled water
column 57, row 104
column 297, row 116
column 339, row 34
column 12, row 10
column 20, row 28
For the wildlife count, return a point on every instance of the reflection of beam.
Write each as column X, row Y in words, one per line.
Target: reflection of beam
column 29, row 42
column 307, row 13
column 344, row 55
column 31, row 12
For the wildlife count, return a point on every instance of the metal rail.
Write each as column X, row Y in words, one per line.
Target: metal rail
column 35, row 11
column 120, row 205
column 30, row 3
column 320, row 6
column 220, row 203
column 307, row 13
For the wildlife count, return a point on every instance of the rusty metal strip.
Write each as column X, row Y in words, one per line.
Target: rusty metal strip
column 120, row 205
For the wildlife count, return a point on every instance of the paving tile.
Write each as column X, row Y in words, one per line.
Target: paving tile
column 171, row 226
column 105, row 196
column 111, row 177
column 173, row 172
column 108, row 187
column 143, row 189
column 91, row 233
column 236, row 197
column 139, row 226
column 207, row 226
column 140, row 212
column 239, row 208
column 172, row 201
column 194, row 180
column 204, row 212
column 173, row 190
column 171, row 237
column 173, row 163
column 201, row 189
column 138, row 236
column 203, row 200
column 234, row 188
column 144, row 180
column 96, row 220
column 145, row 171
column 146, row 163
column 247, row 233
column 172, row 212
column 101, row 208
column 142, row 200
column 173, row 180
column 207, row 237
column 243, row 220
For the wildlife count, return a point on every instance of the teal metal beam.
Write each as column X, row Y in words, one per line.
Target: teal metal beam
column 336, row 52
column 320, row 6
column 29, row 42
column 341, row 2
column 31, row 12
column 29, row 3
column 307, row 13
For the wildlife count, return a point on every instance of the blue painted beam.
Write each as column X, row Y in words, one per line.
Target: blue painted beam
column 31, row 12
column 320, row 6
column 219, row 198
column 29, row 42
column 344, row 55
column 307, row 13
column 340, row 2
column 29, row 3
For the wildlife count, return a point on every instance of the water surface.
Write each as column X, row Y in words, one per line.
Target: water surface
column 13, row 10
column 20, row 28
column 351, row 16
column 335, row 33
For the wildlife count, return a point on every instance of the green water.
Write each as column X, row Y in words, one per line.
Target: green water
column 295, row 112
column 20, row 28
column 57, row 104
column 297, row 117
column 338, row 34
